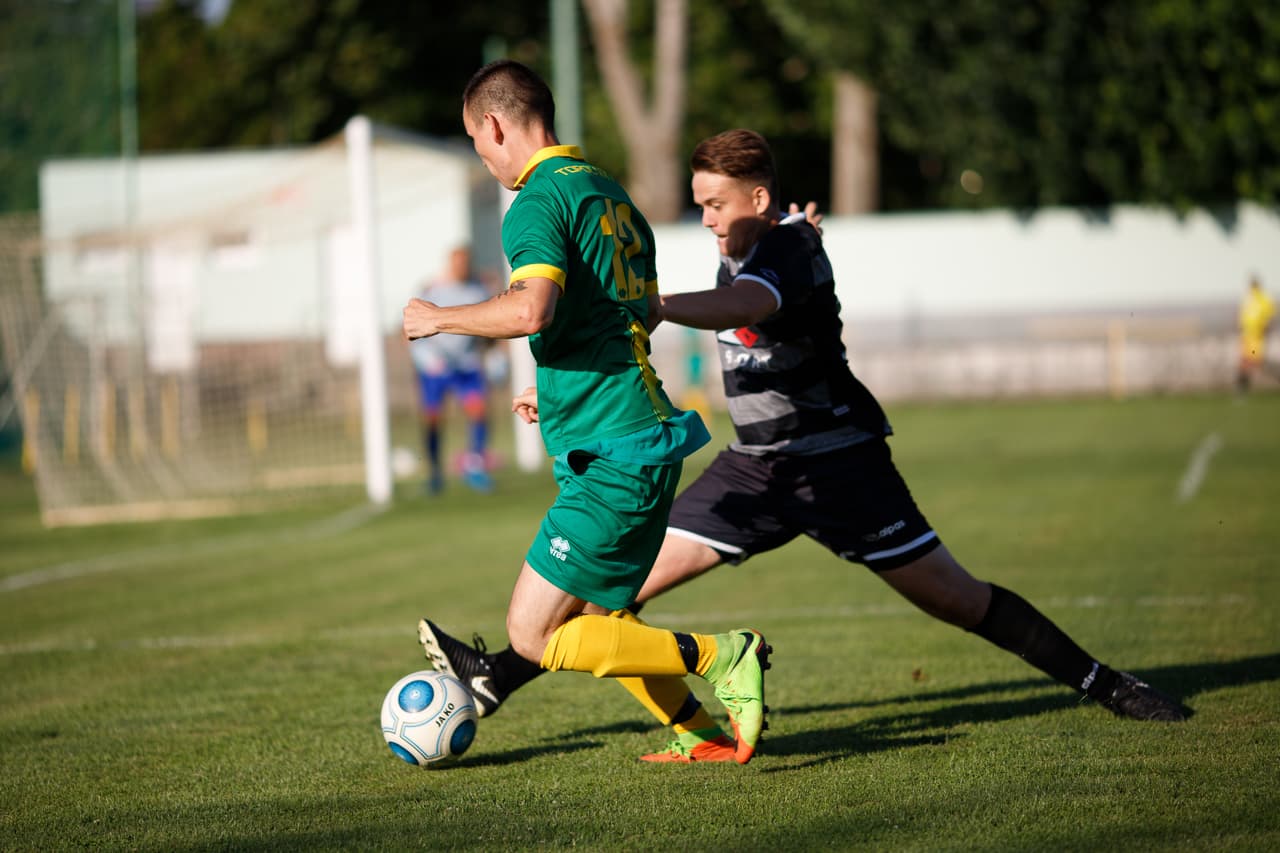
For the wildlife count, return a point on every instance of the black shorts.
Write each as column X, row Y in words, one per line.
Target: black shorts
column 853, row 501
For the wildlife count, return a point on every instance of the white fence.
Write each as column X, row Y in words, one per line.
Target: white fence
column 996, row 304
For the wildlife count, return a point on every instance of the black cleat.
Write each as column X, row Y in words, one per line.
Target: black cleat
column 472, row 666
column 1131, row 697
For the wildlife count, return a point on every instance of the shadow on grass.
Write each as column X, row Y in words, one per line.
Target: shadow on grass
column 978, row 703
column 528, row 753
column 896, row 730
column 1180, row 680
column 574, row 741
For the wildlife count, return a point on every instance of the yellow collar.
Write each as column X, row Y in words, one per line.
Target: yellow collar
column 546, row 154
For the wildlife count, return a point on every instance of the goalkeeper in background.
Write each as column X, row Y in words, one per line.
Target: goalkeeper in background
column 454, row 365
column 584, row 289
column 811, row 456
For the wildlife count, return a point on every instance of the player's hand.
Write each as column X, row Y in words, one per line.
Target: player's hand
column 811, row 214
column 420, row 319
column 525, row 405
column 655, row 315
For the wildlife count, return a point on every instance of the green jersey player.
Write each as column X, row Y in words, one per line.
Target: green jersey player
column 584, row 290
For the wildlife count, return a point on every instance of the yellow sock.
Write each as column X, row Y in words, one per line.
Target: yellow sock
column 664, row 696
column 604, row 646
column 701, row 721
column 707, row 651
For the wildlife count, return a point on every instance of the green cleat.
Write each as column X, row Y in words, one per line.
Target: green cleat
column 742, row 656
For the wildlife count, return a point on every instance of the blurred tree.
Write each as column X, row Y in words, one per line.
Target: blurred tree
column 741, row 72
column 977, row 102
column 276, row 72
column 650, row 126
column 1080, row 102
column 60, row 68
column 289, row 72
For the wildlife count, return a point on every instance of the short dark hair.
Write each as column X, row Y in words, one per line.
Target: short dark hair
column 742, row 154
column 515, row 90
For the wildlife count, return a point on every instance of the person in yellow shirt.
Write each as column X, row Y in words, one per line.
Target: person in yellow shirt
column 1256, row 313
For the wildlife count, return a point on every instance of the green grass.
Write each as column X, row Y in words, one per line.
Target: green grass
column 216, row 684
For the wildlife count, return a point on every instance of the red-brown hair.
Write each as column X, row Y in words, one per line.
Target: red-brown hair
column 741, row 154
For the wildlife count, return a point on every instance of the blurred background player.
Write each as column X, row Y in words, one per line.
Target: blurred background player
column 454, row 365
column 1256, row 313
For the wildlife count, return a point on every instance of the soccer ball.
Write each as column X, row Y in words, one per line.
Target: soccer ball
column 428, row 718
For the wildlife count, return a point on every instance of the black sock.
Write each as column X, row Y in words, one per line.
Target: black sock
column 1015, row 626
column 511, row 672
column 688, row 650
column 687, row 710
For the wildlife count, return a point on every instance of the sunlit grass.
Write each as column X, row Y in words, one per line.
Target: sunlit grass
column 216, row 684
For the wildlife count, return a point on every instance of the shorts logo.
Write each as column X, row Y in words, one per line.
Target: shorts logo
column 560, row 548
column 885, row 531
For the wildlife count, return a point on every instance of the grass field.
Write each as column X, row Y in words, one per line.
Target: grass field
column 215, row 685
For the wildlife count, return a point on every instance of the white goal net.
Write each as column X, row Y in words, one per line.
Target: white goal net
column 207, row 333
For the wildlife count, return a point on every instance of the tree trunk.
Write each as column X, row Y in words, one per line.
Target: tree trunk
column 651, row 132
column 855, row 170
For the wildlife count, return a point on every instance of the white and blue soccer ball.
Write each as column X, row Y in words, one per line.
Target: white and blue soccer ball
column 428, row 718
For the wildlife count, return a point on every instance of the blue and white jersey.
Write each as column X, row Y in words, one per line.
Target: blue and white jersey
column 443, row 354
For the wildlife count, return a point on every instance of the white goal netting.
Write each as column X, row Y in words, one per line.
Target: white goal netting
column 189, row 334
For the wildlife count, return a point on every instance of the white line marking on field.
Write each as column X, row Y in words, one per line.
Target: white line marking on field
column 332, row 526
column 210, row 641
column 800, row 614
column 1198, row 466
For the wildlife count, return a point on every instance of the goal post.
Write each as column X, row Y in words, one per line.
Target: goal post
column 373, row 368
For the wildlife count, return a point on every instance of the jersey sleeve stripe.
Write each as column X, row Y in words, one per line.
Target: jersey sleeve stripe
column 539, row 271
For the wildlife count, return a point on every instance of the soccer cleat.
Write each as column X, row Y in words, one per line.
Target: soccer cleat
column 719, row 748
column 740, row 688
column 475, row 473
column 1134, row 698
column 472, row 666
column 479, row 481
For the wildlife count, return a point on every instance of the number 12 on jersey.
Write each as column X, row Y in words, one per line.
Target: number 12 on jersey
column 616, row 223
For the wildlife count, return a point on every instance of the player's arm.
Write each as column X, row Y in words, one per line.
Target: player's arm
column 525, row 308
column 744, row 303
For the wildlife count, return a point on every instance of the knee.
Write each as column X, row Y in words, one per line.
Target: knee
column 526, row 641
column 967, row 606
column 941, row 587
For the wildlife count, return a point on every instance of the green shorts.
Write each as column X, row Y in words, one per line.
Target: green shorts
column 599, row 539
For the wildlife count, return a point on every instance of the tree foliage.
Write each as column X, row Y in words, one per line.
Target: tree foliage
column 1079, row 102
column 742, row 73
column 1063, row 102
column 277, row 72
column 59, row 64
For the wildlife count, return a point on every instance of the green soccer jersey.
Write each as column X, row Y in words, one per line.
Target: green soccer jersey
column 572, row 223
